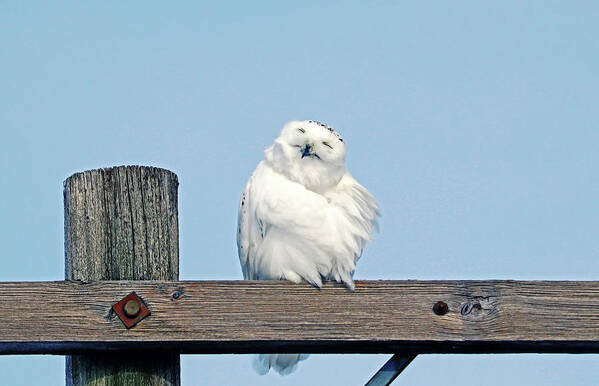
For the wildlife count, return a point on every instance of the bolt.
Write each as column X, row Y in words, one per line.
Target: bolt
column 132, row 308
column 440, row 308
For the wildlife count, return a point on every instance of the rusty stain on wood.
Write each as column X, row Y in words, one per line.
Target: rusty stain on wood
column 254, row 316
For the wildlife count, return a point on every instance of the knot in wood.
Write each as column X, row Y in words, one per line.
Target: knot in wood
column 479, row 308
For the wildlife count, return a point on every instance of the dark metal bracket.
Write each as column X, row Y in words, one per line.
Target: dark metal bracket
column 390, row 370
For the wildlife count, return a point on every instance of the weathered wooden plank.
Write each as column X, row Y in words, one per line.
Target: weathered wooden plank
column 122, row 224
column 253, row 317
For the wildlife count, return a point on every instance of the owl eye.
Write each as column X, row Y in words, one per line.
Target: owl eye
column 327, row 144
column 302, row 130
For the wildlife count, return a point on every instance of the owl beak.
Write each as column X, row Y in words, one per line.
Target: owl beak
column 307, row 150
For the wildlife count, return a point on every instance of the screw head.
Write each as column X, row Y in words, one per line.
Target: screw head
column 440, row 308
column 131, row 308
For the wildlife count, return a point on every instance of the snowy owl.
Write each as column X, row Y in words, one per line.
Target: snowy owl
column 302, row 216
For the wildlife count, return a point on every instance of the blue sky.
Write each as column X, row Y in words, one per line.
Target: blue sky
column 475, row 124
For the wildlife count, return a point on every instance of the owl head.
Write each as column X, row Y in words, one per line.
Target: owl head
column 310, row 153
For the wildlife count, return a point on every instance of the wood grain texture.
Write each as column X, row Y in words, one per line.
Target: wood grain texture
column 272, row 316
column 122, row 224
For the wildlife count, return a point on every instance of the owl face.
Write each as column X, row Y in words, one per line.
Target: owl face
column 310, row 153
column 314, row 142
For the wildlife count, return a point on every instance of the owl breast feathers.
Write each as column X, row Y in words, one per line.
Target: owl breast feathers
column 302, row 216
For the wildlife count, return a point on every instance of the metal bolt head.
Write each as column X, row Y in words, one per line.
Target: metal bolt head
column 440, row 308
column 132, row 308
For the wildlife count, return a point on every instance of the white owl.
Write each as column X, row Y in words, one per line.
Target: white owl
column 302, row 216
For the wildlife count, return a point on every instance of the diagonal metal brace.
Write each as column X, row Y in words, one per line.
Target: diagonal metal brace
column 390, row 370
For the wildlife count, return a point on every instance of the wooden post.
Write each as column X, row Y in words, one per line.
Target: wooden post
column 122, row 224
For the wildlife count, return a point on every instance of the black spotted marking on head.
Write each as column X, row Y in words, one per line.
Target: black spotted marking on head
column 329, row 128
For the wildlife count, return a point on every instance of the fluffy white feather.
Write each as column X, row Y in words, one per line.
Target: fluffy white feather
column 302, row 216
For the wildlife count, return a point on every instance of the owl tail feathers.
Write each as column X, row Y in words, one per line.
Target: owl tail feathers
column 283, row 364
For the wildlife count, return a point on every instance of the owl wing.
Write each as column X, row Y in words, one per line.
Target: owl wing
column 285, row 211
column 246, row 241
column 287, row 231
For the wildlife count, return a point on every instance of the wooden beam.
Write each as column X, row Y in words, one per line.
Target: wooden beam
column 259, row 317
